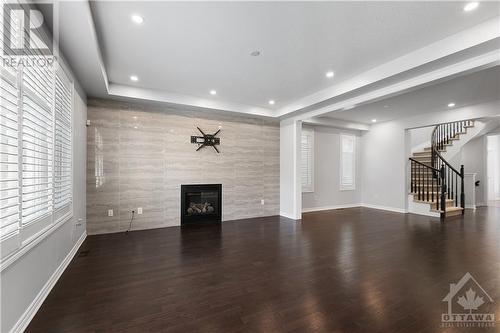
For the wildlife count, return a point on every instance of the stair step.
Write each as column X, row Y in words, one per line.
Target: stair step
column 423, row 159
column 430, row 185
column 422, row 153
column 430, row 193
column 450, row 211
column 433, row 204
column 429, row 148
column 427, row 156
column 424, row 181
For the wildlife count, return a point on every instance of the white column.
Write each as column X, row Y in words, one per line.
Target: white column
column 290, row 182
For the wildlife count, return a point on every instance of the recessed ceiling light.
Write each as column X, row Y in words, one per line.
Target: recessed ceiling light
column 134, row 78
column 471, row 6
column 255, row 53
column 137, row 19
column 135, row 127
column 374, row 120
column 329, row 74
column 450, row 105
column 213, row 92
column 135, row 117
column 271, row 102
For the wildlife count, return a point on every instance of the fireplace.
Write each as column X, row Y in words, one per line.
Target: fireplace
column 201, row 203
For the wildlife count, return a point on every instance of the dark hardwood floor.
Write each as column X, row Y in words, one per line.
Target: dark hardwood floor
column 349, row 270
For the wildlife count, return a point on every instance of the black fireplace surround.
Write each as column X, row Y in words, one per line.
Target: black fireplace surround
column 201, row 204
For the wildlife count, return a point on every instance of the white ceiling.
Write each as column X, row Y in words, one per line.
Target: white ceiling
column 475, row 88
column 192, row 47
column 185, row 49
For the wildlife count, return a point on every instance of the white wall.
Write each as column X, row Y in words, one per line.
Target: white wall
column 493, row 168
column 472, row 156
column 386, row 150
column 327, row 193
column 421, row 138
column 383, row 166
column 26, row 282
column 290, row 184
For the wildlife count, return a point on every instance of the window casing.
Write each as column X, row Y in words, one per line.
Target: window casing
column 347, row 162
column 307, row 160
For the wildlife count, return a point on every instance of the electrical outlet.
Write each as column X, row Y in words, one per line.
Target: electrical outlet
column 139, row 210
column 110, row 212
column 262, row 202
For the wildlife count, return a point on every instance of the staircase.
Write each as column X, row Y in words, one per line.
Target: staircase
column 434, row 181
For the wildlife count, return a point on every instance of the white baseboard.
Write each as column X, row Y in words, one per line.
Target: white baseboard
column 32, row 309
column 288, row 216
column 470, row 206
column 390, row 209
column 316, row 209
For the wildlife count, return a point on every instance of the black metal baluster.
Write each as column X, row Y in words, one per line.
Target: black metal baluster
column 443, row 202
column 447, row 135
column 438, row 194
column 452, row 188
column 432, row 192
column 417, row 191
column 462, row 190
column 449, row 179
column 439, row 138
column 427, row 183
column 442, row 136
column 420, row 182
column 456, row 190
column 411, row 176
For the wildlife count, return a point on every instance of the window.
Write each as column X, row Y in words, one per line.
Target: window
column 347, row 162
column 36, row 152
column 307, row 160
column 35, row 145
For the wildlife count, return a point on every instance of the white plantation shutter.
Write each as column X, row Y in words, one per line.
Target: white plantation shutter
column 9, row 154
column 62, row 152
column 347, row 162
column 307, row 160
column 37, row 143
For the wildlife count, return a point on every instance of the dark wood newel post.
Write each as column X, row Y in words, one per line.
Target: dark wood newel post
column 443, row 192
column 462, row 191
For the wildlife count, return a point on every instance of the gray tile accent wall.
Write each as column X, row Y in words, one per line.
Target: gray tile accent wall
column 138, row 155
